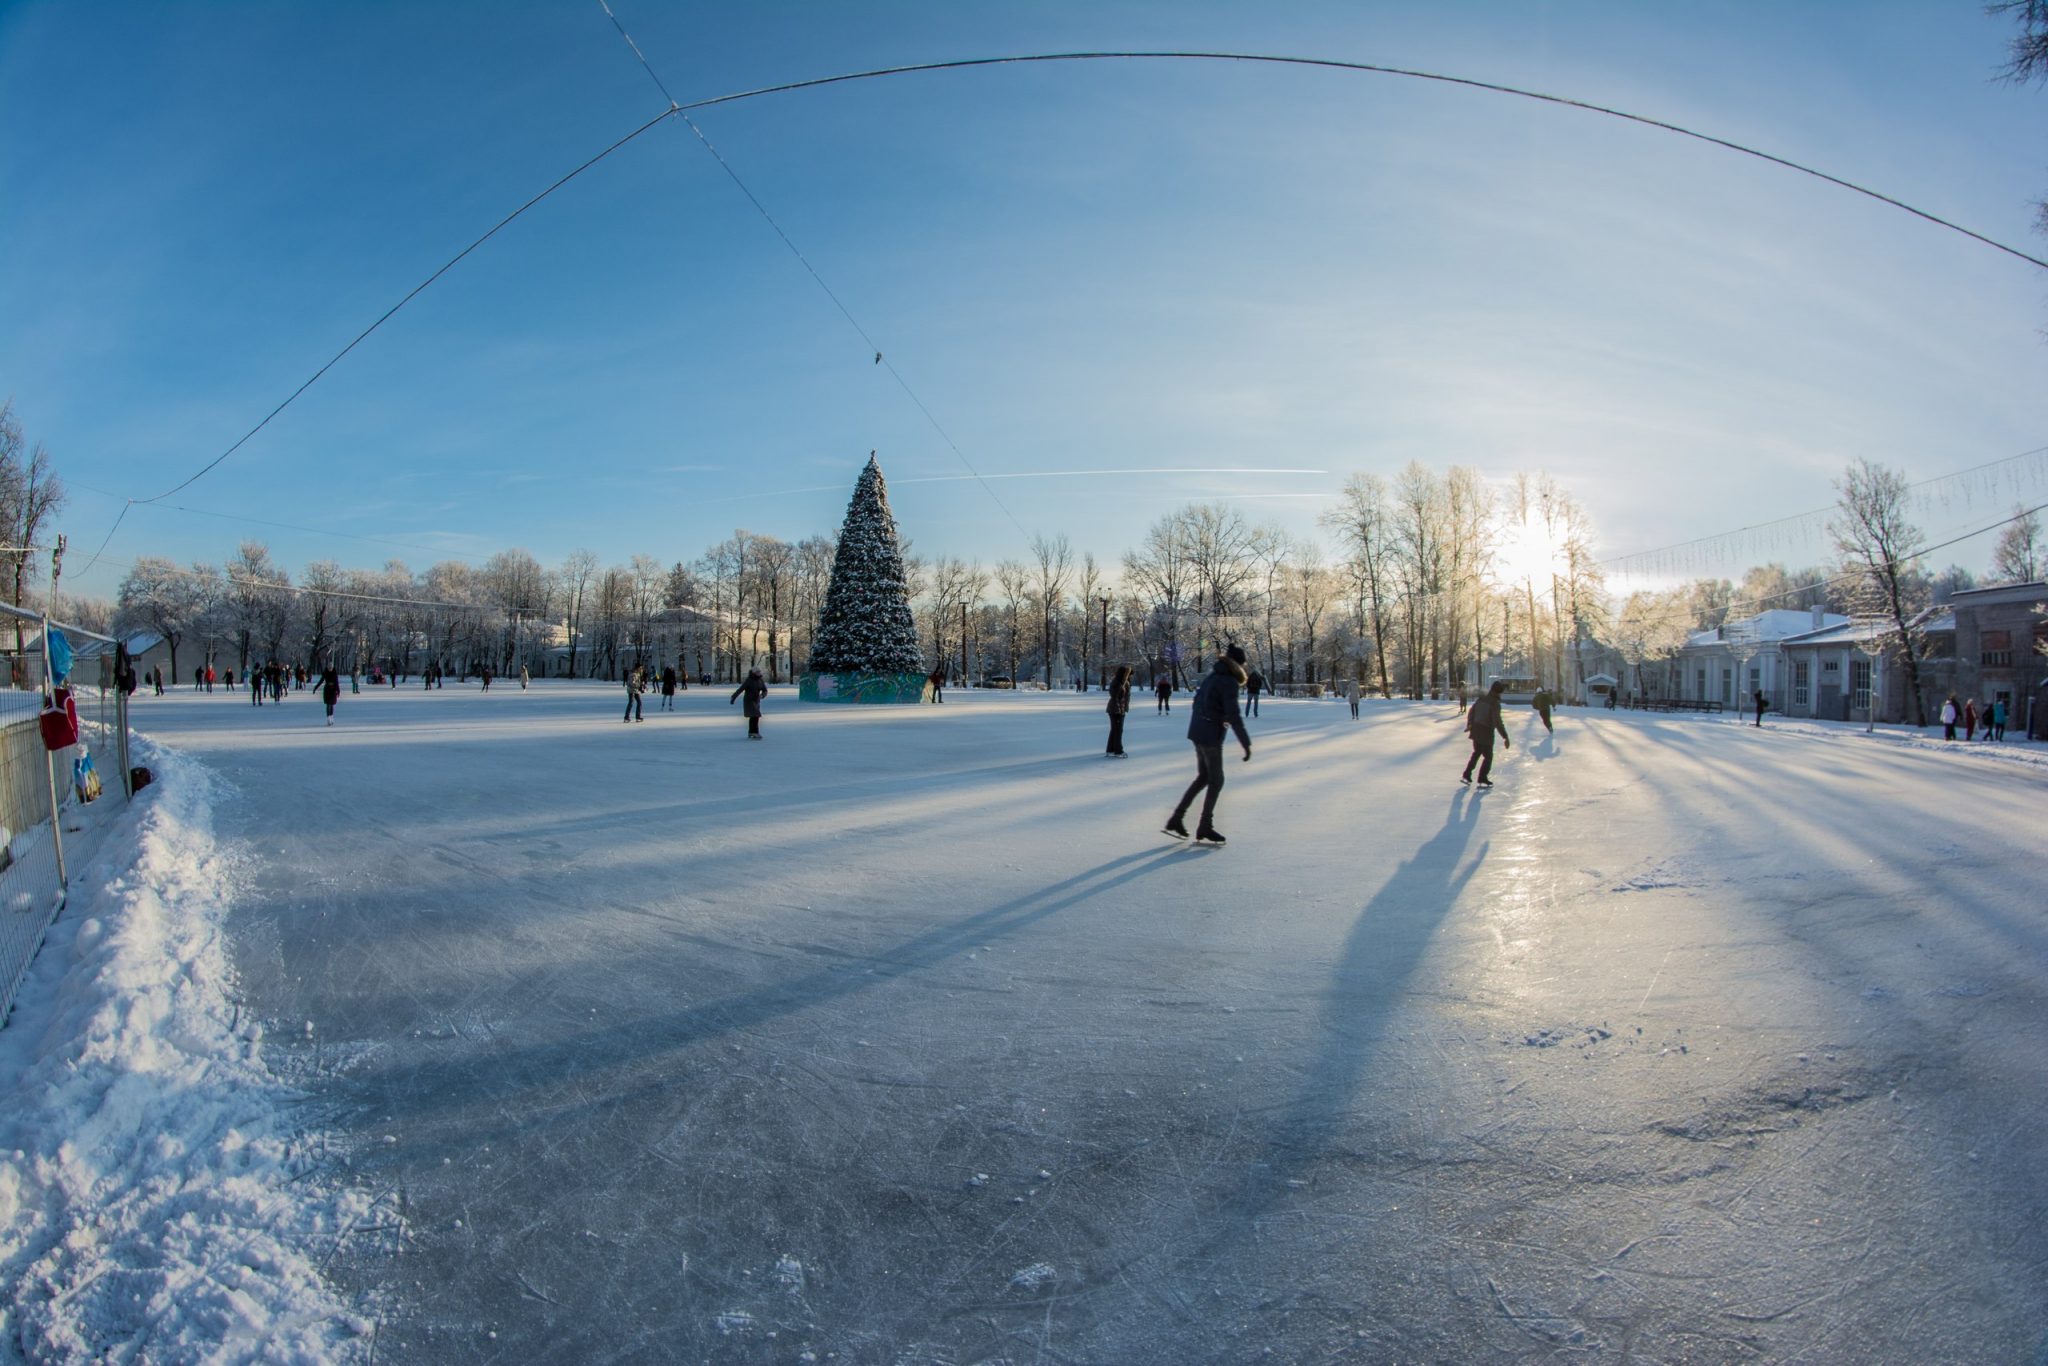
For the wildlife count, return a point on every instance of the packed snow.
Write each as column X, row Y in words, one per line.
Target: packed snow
column 484, row 1027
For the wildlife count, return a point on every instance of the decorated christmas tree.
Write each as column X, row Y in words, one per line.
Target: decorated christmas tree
column 866, row 626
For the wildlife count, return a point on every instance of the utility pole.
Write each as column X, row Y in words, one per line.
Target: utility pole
column 963, row 645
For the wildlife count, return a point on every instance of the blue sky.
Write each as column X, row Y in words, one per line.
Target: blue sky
column 1079, row 267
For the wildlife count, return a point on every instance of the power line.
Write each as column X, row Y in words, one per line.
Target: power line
column 1819, row 512
column 1370, row 68
column 881, row 358
column 410, row 295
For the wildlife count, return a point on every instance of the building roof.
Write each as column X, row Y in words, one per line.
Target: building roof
column 2003, row 592
column 1933, row 621
column 1763, row 628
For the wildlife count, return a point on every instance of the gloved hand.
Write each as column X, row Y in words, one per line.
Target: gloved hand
column 1247, row 754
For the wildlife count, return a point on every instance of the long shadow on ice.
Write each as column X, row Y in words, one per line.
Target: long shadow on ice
column 1387, row 943
column 495, row 1075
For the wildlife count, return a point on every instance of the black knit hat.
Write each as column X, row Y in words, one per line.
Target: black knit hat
column 1235, row 654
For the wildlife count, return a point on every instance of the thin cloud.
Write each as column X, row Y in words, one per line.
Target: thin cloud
column 1043, row 474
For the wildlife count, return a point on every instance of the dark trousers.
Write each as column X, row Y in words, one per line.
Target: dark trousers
column 1116, row 733
column 753, row 725
column 1165, row 704
column 633, row 706
column 1208, row 783
column 1546, row 720
column 1482, row 755
column 1255, row 703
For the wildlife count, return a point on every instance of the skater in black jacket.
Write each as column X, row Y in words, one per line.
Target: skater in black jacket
column 668, row 687
column 330, row 691
column 1163, row 690
column 1215, row 707
column 1119, row 707
column 1482, row 721
column 753, row 690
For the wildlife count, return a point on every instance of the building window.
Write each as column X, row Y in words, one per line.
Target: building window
column 1831, row 666
column 1799, row 687
column 1727, row 686
column 1756, row 679
column 1859, row 685
column 1703, row 685
column 1996, row 659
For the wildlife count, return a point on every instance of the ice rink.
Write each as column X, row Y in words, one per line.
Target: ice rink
column 904, row 1036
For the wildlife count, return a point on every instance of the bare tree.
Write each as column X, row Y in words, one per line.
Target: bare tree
column 1013, row 581
column 30, row 494
column 1364, row 528
column 578, row 571
column 1878, row 546
column 1160, row 571
column 2021, row 556
column 1055, row 562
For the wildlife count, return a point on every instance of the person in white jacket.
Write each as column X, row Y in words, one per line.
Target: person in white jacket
column 1949, row 717
column 1351, row 696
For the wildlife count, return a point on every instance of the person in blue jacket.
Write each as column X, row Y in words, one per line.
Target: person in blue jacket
column 1215, row 706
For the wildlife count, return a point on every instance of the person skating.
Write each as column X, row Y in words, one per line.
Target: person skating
column 1163, row 690
column 256, row 687
column 1351, row 696
column 636, row 683
column 1119, row 707
column 1970, row 719
column 1761, row 703
column 1214, row 707
column 524, row 678
column 1543, row 702
column 1998, row 719
column 937, row 678
column 668, row 687
column 330, row 691
column 1482, row 721
column 753, row 690
column 1254, row 684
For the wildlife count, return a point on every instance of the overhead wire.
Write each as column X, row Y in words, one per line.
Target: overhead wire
column 357, row 340
column 678, row 109
column 881, row 357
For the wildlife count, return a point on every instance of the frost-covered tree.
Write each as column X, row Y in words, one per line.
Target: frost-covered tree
column 158, row 596
column 866, row 626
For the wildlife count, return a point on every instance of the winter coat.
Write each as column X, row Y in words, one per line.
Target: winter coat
column 1215, row 706
column 1483, row 717
column 1542, row 702
column 330, row 687
column 636, row 683
column 1164, row 687
column 668, row 682
column 753, row 690
column 1948, row 714
column 1120, row 698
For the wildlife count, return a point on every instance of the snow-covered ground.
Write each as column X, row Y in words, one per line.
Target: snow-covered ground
column 904, row 1036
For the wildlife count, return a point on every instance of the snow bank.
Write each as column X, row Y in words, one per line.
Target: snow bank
column 155, row 1204
column 2014, row 749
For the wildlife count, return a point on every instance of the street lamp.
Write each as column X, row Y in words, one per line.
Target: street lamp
column 1104, row 667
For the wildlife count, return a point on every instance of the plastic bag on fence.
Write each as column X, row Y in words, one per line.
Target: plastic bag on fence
column 85, row 777
column 60, row 656
column 59, row 720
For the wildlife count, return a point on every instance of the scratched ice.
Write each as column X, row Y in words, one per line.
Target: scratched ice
column 1687, row 1041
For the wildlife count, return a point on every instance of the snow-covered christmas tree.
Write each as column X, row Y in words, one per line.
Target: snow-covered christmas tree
column 867, row 640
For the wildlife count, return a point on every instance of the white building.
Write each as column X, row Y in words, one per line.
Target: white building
column 1731, row 662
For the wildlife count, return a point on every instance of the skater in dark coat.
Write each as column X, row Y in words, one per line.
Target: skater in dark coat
column 668, row 688
column 1543, row 702
column 1761, row 702
column 1214, row 707
column 1482, row 722
column 1119, row 707
column 1163, row 690
column 753, row 690
column 1254, row 684
column 330, row 691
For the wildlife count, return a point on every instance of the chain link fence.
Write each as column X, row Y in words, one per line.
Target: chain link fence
column 37, row 787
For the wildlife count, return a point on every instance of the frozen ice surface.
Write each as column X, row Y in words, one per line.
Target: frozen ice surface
column 1686, row 1042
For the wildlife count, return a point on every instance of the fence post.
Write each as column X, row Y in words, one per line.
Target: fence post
column 50, row 768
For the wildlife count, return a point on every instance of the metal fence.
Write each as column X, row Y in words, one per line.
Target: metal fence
column 36, row 786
